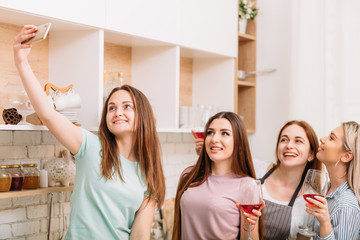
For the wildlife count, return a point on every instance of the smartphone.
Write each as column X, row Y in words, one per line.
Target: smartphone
column 41, row 34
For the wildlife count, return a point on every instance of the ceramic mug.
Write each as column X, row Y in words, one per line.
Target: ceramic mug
column 74, row 100
column 63, row 101
column 60, row 101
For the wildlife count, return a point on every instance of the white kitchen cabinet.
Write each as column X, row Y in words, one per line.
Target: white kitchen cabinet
column 209, row 25
column 156, row 19
column 158, row 35
column 86, row 12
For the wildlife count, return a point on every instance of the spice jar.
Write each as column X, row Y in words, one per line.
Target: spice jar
column 32, row 176
column 5, row 179
column 17, row 177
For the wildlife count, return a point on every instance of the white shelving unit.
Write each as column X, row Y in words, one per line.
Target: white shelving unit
column 76, row 50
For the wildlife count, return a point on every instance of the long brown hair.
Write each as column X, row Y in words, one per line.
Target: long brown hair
column 241, row 165
column 313, row 140
column 146, row 145
column 352, row 144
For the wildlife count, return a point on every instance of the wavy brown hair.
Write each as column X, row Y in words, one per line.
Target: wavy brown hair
column 241, row 165
column 146, row 145
column 313, row 140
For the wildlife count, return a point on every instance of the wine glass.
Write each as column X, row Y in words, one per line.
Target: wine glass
column 199, row 122
column 250, row 197
column 315, row 184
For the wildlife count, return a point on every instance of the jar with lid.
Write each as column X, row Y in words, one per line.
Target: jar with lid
column 5, row 179
column 17, row 177
column 32, row 176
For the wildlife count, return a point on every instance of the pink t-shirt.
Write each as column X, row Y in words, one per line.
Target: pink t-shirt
column 209, row 212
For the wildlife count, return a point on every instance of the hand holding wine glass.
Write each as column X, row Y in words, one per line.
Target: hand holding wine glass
column 314, row 189
column 250, row 201
column 199, row 141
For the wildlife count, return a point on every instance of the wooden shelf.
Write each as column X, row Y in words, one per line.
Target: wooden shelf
column 245, row 84
column 245, row 90
column 250, row 130
column 32, row 192
column 28, row 127
column 246, row 37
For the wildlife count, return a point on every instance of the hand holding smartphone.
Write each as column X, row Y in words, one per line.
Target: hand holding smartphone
column 41, row 34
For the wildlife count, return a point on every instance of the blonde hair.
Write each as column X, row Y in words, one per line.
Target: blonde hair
column 352, row 143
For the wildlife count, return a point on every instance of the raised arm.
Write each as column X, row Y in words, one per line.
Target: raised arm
column 66, row 132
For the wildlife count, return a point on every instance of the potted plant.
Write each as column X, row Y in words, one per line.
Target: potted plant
column 246, row 12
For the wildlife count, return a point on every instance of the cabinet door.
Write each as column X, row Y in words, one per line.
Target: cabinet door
column 80, row 11
column 156, row 19
column 210, row 25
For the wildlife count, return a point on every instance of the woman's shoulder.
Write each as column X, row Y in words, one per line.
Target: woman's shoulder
column 186, row 171
column 88, row 133
column 348, row 200
column 89, row 137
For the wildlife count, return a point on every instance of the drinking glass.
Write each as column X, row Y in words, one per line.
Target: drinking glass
column 199, row 122
column 315, row 184
column 250, row 197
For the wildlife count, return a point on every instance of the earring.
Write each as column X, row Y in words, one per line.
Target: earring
column 337, row 163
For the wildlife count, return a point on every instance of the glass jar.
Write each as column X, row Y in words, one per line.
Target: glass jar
column 5, row 179
column 32, row 176
column 17, row 177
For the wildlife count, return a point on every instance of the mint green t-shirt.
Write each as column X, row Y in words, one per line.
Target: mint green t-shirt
column 103, row 209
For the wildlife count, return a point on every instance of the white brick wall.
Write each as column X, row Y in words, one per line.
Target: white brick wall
column 13, row 215
column 5, row 231
column 26, row 138
column 5, row 203
column 37, row 211
column 13, row 152
column 26, row 228
column 5, row 138
column 26, row 217
column 41, row 151
column 24, row 201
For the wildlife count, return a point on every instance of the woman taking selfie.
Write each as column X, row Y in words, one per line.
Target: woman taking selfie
column 119, row 177
column 338, row 214
column 296, row 149
column 205, row 204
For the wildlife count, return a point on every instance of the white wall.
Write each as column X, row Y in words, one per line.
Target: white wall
column 314, row 46
column 272, row 97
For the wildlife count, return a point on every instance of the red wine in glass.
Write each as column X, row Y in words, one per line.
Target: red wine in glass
column 315, row 184
column 249, row 198
column 248, row 208
column 311, row 195
column 199, row 135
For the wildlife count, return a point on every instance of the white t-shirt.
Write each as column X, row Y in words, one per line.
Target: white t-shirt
column 298, row 215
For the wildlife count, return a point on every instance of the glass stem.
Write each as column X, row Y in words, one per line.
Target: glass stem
column 249, row 232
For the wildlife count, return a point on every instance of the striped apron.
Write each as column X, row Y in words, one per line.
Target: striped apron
column 277, row 217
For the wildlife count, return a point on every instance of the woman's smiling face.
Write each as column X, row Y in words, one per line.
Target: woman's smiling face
column 294, row 147
column 331, row 148
column 219, row 141
column 120, row 113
